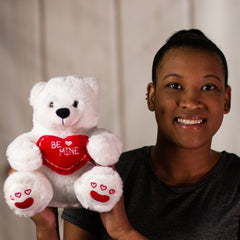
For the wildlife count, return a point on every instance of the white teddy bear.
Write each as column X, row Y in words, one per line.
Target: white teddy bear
column 64, row 160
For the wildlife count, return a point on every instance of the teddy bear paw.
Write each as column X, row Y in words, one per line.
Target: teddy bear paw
column 27, row 193
column 25, row 157
column 99, row 189
column 105, row 148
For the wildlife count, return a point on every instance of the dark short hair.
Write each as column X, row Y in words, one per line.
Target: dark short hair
column 193, row 38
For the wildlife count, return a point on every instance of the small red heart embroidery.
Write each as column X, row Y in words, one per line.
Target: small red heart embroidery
column 112, row 191
column 64, row 156
column 103, row 187
column 68, row 143
column 28, row 191
column 18, row 195
column 93, row 184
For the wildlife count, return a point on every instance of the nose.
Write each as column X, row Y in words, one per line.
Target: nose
column 63, row 112
column 190, row 100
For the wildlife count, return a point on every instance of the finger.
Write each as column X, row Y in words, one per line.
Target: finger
column 11, row 171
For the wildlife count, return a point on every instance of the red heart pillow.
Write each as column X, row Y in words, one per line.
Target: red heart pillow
column 64, row 156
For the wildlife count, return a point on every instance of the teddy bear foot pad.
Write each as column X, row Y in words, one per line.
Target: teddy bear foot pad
column 99, row 189
column 27, row 193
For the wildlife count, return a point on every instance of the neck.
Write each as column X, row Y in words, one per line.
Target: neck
column 60, row 131
column 177, row 166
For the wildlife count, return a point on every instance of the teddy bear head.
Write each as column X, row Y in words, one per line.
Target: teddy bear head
column 65, row 104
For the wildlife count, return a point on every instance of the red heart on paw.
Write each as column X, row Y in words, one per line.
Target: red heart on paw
column 64, row 156
column 112, row 191
column 28, row 191
column 93, row 184
column 103, row 187
column 18, row 194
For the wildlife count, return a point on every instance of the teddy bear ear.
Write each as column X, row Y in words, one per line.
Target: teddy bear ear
column 93, row 84
column 36, row 90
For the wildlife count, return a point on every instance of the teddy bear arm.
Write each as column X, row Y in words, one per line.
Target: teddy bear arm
column 104, row 147
column 23, row 153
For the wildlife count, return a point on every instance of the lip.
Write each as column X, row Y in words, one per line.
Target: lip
column 190, row 122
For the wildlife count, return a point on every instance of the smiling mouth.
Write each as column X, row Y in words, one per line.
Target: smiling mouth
column 26, row 204
column 98, row 197
column 189, row 122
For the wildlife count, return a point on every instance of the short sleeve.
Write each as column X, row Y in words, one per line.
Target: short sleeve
column 85, row 219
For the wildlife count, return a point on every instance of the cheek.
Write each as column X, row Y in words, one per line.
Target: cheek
column 216, row 118
column 219, row 117
column 164, row 118
column 165, row 106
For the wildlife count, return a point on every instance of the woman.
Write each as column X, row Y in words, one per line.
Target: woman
column 179, row 188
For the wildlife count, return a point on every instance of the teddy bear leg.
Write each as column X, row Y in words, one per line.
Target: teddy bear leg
column 99, row 189
column 27, row 193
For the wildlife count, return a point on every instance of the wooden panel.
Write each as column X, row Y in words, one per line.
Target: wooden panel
column 222, row 26
column 145, row 27
column 19, row 69
column 79, row 41
column 38, row 42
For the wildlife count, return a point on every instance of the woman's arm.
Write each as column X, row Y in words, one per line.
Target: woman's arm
column 117, row 224
column 73, row 232
column 47, row 224
column 47, row 227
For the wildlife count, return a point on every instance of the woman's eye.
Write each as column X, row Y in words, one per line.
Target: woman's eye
column 208, row 87
column 175, row 85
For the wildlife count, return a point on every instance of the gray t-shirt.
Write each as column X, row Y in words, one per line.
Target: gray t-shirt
column 207, row 210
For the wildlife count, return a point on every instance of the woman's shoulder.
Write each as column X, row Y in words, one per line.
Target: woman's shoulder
column 230, row 165
column 230, row 158
column 133, row 160
column 135, row 153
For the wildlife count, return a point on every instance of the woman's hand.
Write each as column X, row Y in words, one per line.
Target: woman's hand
column 117, row 224
column 47, row 224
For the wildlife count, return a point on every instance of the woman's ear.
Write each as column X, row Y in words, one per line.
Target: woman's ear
column 151, row 96
column 227, row 105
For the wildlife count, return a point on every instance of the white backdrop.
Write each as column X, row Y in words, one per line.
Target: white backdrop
column 115, row 41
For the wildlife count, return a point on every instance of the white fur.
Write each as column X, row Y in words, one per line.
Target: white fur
column 47, row 187
column 19, row 182
column 23, row 153
column 98, row 175
column 100, row 147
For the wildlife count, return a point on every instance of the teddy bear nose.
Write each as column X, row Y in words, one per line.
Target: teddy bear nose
column 63, row 112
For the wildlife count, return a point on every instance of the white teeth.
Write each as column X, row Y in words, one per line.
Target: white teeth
column 189, row 121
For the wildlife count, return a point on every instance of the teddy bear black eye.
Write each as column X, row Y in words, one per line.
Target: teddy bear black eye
column 75, row 104
column 51, row 104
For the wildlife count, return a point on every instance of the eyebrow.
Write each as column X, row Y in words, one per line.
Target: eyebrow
column 180, row 76
column 212, row 76
column 173, row 75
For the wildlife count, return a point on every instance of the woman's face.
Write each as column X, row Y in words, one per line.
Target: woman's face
column 190, row 97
